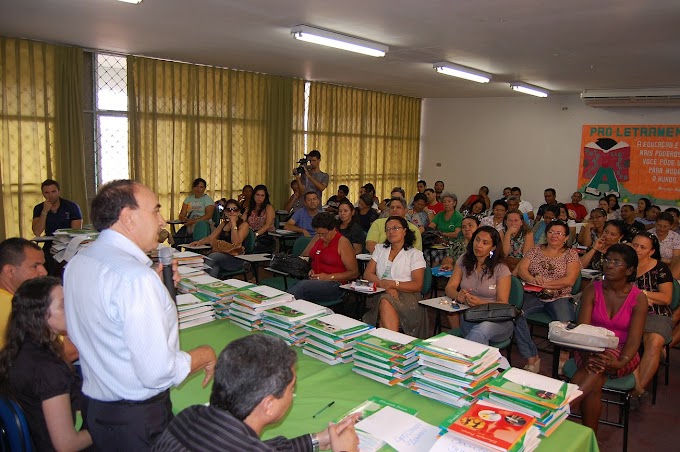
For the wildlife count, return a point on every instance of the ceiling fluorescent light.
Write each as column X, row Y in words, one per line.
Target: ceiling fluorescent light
column 136, row 2
column 338, row 41
column 529, row 89
column 467, row 73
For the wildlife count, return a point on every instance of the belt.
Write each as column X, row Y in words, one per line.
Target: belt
column 157, row 398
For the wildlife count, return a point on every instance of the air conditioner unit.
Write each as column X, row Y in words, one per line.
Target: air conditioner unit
column 652, row 97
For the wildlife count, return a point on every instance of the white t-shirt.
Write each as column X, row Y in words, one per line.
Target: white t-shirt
column 525, row 207
column 402, row 265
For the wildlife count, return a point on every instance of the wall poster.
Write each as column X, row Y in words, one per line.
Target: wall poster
column 631, row 161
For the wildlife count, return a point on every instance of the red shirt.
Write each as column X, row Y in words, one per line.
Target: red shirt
column 326, row 259
column 436, row 208
column 580, row 210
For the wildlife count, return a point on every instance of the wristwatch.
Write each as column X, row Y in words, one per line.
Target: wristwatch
column 315, row 442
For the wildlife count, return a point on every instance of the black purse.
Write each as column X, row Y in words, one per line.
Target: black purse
column 492, row 312
column 296, row 267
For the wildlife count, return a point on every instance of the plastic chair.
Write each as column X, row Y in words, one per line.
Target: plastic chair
column 281, row 282
column 543, row 319
column 15, row 433
column 621, row 388
column 249, row 245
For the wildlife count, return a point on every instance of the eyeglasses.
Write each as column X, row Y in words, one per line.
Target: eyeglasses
column 232, row 209
column 323, row 234
column 558, row 233
column 393, row 228
column 613, row 262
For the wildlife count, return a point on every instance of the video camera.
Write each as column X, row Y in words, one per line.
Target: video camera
column 301, row 165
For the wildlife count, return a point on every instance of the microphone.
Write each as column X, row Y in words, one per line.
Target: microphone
column 165, row 258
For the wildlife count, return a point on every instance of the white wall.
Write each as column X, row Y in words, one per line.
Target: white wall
column 525, row 141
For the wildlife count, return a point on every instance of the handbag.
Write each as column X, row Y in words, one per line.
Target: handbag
column 581, row 336
column 222, row 246
column 294, row 266
column 492, row 312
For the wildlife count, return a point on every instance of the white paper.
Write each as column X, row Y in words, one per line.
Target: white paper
column 73, row 245
column 237, row 283
column 460, row 345
column 203, row 279
column 185, row 254
column 452, row 443
column 532, row 380
column 267, row 291
column 187, row 298
column 340, row 322
column 393, row 336
column 402, row 431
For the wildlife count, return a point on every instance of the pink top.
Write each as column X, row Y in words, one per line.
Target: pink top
column 621, row 321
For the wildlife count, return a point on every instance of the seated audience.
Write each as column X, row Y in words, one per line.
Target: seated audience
column 555, row 268
column 549, row 214
column 301, row 221
column 513, row 204
column 399, row 268
column 244, row 198
column 333, row 262
column 434, row 206
column 377, row 234
column 459, row 245
column 614, row 212
column 296, row 201
column 448, row 221
column 576, row 206
column 260, row 216
column 418, row 215
column 397, row 192
column 564, row 216
column 643, row 206
column 632, row 225
column 421, row 185
column 33, row 370
column 592, row 230
column 197, row 212
column 495, row 220
column 612, row 234
column 364, row 214
column 517, row 238
column 675, row 213
column 370, row 189
column 482, row 195
column 524, row 206
column 232, row 230
column 655, row 280
column 617, row 304
column 669, row 240
column 482, row 278
column 550, row 196
column 349, row 227
column 334, row 201
column 476, row 210
column 248, row 395
column 603, row 204
column 439, row 189
column 650, row 218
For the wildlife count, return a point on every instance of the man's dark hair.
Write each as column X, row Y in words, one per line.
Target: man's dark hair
column 367, row 198
column 250, row 369
column 555, row 209
column 344, row 189
column 517, row 189
column 665, row 216
column 442, row 182
column 674, row 210
column 399, row 190
column 551, row 190
column 369, row 187
column 315, row 154
column 310, row 192
column 48, row 182
column 421, row 182
column 112, row 198
column 324, row 220
column 12, row 251
column 419, row 197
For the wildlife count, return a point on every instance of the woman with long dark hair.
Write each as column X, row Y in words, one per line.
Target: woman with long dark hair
column 482, row 278
column 349, row 227
column 399, row 268
column 33, row 370
column 260, row 216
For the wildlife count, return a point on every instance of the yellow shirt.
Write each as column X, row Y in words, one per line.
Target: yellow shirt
column 5, row 311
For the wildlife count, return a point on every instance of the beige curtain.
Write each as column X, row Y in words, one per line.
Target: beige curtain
column 27, row 110
column 229, row 127
column 364, row 136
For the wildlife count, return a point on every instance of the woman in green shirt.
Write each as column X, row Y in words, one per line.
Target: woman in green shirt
column 449, row 220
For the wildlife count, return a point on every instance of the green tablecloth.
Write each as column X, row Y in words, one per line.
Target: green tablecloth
column 319, row 384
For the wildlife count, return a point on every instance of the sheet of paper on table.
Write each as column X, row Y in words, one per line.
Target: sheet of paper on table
column 402, row 431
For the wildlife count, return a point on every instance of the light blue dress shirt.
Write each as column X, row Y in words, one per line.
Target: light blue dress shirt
column 123, row 322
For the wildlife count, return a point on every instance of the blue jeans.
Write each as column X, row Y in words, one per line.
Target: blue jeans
column 486, row 332
column 560, row 309
column 314, row 290
column 223, row 262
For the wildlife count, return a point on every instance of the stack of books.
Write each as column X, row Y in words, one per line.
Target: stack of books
column 330, row 338
column 249, row 303
column 487, row 426
column 223, row 293
column 189, row 263
column 543, row 397
column 188, row 284
column 193, row 310
column 386, row 356
column 454, row 370
column 287, row 321
column 67, row 242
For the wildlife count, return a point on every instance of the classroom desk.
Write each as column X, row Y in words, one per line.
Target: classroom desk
column 318, row 384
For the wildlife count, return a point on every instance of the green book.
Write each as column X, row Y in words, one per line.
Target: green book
column 386, row 344
column 373, row 405
column 535, row 388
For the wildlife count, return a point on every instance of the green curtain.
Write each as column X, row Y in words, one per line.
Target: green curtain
column 69, row 146
column 229, row 127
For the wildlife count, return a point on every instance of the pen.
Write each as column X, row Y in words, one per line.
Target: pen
column 323, row 409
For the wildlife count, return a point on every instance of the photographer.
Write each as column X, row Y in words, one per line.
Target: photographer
column 310, row 177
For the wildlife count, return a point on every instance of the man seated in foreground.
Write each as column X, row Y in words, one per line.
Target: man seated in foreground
column 248, row 395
